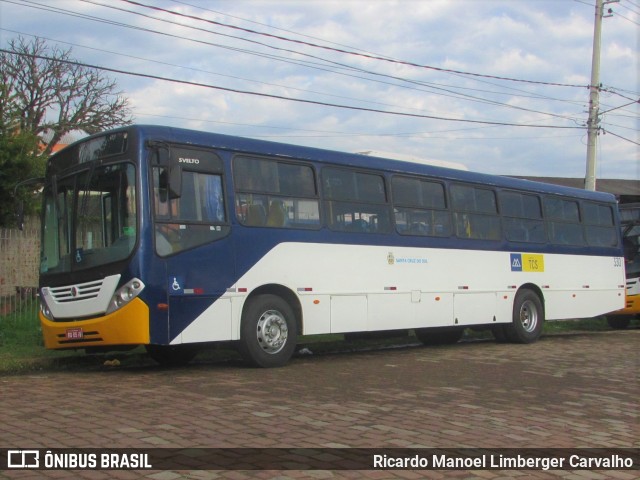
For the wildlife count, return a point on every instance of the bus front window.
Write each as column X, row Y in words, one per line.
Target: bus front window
column 89, row 219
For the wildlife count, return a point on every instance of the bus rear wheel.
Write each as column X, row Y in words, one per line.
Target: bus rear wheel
column 528, row 318
column 268, row 331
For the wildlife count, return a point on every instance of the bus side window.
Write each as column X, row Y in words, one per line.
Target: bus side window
column 276, row 194
column 563, row 221
column 599, row 226
column 522, row 217
column 420, row 207
column 475, row 212
column 355, row 201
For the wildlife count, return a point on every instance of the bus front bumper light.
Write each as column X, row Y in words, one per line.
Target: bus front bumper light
column 125, row 294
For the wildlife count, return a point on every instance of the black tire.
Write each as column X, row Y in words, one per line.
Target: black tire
column 172, row 355
column 528, row 318
column 268, row 332
column 439, row 336
column 619, row 322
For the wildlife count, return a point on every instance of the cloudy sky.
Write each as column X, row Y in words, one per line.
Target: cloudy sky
column 499, row 85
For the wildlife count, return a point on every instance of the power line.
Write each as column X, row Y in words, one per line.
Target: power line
column 280, row 97
column 438, row 90
column 342, row 134
column 348, row 52
column 620, row 136
column 206, row 71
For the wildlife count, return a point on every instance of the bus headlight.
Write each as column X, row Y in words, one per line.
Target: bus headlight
column 125, row 294
column 44, row 309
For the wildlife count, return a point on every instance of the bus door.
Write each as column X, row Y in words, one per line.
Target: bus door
column 192, row 240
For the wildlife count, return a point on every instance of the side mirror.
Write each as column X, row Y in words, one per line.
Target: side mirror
column 174, row 180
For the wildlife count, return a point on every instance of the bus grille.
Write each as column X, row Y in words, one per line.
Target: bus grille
column 82, row 291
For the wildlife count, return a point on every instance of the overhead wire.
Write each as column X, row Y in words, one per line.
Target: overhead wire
column 361, row 70
column 439, row 92
column 486, row 123
column 280, row 97
column 365, row 55
column 522, row 93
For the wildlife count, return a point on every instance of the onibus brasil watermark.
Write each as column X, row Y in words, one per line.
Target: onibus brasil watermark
column 320, row 459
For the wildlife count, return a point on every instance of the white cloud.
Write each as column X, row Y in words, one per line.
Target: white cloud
column 546, row 40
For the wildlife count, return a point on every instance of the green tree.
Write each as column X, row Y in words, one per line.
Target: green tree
column 19, row 160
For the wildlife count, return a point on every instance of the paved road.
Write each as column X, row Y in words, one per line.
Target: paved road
column 567, row 390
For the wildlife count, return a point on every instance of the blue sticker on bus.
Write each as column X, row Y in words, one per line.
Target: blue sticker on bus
column 516, row 262
column 176, row 285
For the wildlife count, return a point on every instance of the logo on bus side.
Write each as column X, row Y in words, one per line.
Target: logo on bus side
column 189, row 160
column 527, row 262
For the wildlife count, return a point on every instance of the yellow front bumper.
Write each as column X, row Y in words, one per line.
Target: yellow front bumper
column 126, row 326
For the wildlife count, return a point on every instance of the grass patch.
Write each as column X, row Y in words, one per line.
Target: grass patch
column 22, row 348
column 21, row 344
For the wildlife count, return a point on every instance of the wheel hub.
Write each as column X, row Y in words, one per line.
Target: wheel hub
column 272, row 331
column 528, row 316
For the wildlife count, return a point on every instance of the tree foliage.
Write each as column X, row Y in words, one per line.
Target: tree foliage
column 44, row 95
column 53, row 94
column 19, row 160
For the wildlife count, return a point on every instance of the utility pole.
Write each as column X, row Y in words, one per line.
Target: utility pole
column 594, row 87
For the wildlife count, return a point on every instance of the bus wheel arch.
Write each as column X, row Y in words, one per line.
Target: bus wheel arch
column 269, row 327
column 286, row 294
column 528, row 315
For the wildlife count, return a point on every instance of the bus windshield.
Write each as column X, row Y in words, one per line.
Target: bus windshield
column 89, row 218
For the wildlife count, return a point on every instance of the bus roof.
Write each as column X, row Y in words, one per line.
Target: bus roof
column 284, row 150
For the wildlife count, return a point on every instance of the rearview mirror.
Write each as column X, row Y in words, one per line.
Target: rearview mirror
column 175, row 181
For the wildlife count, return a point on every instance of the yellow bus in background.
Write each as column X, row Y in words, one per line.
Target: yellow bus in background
column 630, row 222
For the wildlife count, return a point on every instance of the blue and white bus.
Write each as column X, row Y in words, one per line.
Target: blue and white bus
column 172, row 239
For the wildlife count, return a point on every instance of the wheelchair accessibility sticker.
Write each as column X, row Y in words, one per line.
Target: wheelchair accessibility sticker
column 176, row 285
column 527, row 262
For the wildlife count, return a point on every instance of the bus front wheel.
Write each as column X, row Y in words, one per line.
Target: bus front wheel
column 528, row 318
column 268, row 331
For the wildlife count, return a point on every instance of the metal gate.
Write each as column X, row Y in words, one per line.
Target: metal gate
column 19, row 258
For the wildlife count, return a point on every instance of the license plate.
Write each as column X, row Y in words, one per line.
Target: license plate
column 75, row 333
